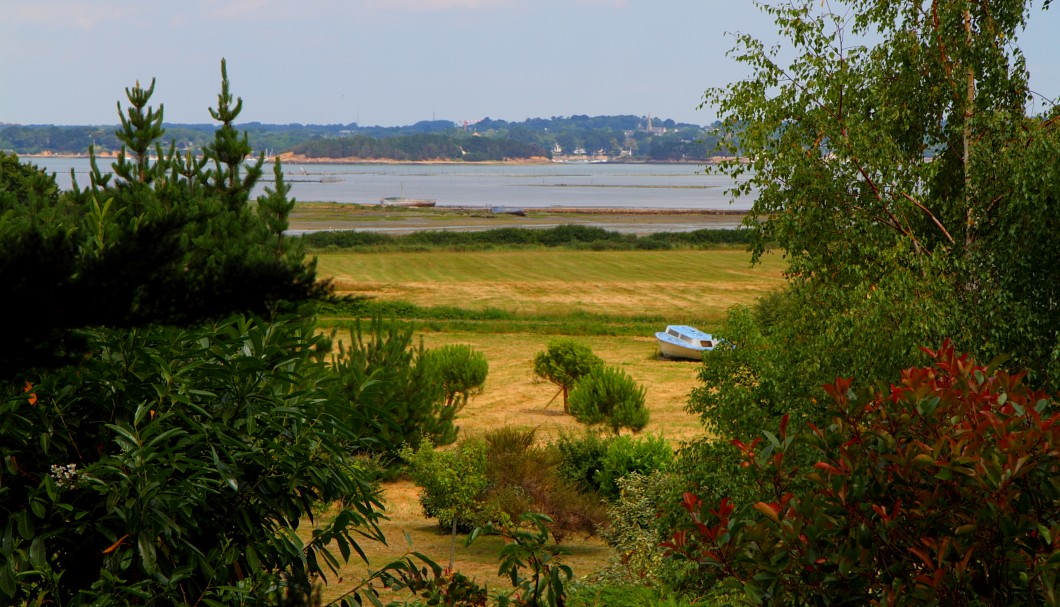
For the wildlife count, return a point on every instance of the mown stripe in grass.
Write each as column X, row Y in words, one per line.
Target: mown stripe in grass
column 451, row 319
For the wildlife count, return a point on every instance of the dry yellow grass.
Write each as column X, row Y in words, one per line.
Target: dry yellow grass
column 689, row 284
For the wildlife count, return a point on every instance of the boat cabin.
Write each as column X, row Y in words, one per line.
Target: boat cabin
column 688, row 339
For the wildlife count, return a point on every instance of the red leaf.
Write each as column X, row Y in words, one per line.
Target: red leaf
column 828, row 468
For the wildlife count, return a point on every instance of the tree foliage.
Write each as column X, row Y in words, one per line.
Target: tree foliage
column 940, row 490
column 893, row 162
column 162, row 240
column 462, row 371
column 382, row 371
column 609, row 396
column 563, row 363
column 157, row 446
column 180, row 466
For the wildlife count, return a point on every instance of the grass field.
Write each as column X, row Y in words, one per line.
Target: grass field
column 685, row 286
column 680, row 286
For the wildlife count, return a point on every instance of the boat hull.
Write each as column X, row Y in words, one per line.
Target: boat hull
column 684, row 342
column 669, row 350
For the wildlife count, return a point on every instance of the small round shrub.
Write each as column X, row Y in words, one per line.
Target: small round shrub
column 626, row 456
column 581, row 457
column 461, row 369
column 609, row 396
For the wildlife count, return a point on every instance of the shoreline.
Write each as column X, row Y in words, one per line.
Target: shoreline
column 291, row 158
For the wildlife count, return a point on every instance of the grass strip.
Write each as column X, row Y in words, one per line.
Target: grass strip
column 450, row 319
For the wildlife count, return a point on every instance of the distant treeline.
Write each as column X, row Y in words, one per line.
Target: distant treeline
column 419, row 147
column 566, row 236
column 634, row 137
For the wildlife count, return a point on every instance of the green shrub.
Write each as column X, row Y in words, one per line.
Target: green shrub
column 563, row 363
column 453, row 483
column 596, row 463
column 497, row 478
column 940, row 490
column 625, row 456
column 635, row 531
column 383, row 374
column 461, row 369
column 177, row 463
column 581, row 457
column 609, row 396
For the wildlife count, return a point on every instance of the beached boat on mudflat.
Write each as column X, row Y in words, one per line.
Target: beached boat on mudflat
column 684, row 342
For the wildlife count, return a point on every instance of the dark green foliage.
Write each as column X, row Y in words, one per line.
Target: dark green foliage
column 582, row 457
column 497, row 478
column 568, row 236
column 597, row 463
column 382, row 372
column 626, row 456
column 140, row 130
column 176, row 463
column 461, row 369
column 609, row 396
column 941, row 490
column 166, row 242
column 563, row 363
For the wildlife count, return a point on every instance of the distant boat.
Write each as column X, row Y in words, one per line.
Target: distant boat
column 508, row 211
column 329, row 178
column 401, row 201
column 684, row 342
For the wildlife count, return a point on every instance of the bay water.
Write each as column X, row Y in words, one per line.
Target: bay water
column 524, row 186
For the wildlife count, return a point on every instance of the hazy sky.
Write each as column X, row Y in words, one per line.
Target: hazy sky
column 389, row 62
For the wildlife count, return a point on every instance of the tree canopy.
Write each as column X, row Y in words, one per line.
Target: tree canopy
column 893, row 162
column 895, row 165
column 168, row 238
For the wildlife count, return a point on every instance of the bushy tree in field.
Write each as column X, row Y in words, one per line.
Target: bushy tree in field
column 462, row 371
column 381, row 371
column 563, row 363
column 941, row 490
column 610, row 397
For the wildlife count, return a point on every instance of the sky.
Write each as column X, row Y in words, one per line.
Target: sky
column 391, row 62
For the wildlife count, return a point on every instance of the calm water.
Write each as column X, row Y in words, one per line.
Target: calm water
column 522, row 186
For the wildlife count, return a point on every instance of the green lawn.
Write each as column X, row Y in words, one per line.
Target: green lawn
column 679, row 286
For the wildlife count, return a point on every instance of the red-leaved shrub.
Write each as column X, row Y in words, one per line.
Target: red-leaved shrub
column 943, row 489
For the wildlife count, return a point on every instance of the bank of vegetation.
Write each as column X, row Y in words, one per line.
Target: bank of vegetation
column 567, row 236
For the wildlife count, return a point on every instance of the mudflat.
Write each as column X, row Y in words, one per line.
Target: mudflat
column 319, row 216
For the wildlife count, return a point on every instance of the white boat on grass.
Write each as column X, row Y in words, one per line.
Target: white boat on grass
column 684, row 342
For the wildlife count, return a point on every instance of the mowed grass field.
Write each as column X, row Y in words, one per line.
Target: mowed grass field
column 683, row 286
